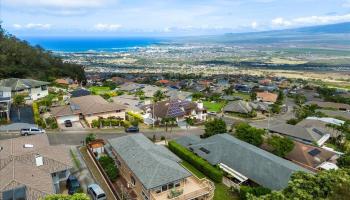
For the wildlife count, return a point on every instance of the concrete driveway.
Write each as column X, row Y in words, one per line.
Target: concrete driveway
column 75, row 126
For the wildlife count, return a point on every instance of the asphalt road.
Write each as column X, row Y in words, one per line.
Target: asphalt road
column 77, row 137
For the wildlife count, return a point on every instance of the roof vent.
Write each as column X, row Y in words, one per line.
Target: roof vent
column 39, row 160
column 28, row 146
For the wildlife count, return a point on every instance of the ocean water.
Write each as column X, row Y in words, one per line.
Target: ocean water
column 92, row 44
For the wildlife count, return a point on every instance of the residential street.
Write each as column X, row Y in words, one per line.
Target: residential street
column 77, row 137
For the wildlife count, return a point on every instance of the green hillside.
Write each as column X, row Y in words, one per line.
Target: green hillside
column 20, row 60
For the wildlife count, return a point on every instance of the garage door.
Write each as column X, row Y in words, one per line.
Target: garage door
column 72, row 118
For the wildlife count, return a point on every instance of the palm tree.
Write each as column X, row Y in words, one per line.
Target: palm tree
column 165, row 121
column 157, row 96
column 172, row 121
column 18, row 101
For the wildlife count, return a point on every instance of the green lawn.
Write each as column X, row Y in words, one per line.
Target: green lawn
column 244, row 96
column 214, row 106
column 221, row 190
column 99, row 89
column 192, row 169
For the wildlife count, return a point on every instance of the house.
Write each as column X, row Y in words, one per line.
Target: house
column 64, row 81
column 308, row 135
column 179, row 109
column 151, row 171
column 178, row 94
column 243, row 88
column 150, row 90
column 243, row 161
column 337, row 106
column 89, row 108
column 130, row 87
column 335, row 113
column 322, row 124
column 131, row 102
column 312, row 158
column 31, row 168
column 33, row 88
column 266, row 97
column 239, row 106
column 5, row 103
column 80, row 92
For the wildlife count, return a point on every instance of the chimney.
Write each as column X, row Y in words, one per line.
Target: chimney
column 39, row 160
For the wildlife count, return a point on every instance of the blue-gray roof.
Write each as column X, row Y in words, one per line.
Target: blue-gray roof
column 258, row 165
column 154, row 165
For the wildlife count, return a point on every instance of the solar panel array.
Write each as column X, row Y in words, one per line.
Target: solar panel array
column 314, row 152
column 175, row 109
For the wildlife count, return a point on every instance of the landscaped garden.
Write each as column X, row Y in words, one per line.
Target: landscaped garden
column 214, row 106
column 242, row 95
column 99, row 89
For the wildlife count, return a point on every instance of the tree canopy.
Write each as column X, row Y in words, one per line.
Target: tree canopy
column 328, row 184
column 281, row 145
column 249, row 134
column 19, row 59
column 213, row 127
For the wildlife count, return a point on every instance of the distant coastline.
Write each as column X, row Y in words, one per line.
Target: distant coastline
column 92, row 44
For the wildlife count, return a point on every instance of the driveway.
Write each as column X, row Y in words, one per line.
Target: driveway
column 75, row 126
column 25, row 116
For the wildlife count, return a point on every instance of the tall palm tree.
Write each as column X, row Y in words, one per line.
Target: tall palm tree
column 18, row 101
column 157, row 96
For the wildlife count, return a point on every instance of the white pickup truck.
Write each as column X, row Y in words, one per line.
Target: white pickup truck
column 31, row 131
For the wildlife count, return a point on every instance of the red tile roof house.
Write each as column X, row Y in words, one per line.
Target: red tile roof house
column 30, row 168
column 91, row 107
column 266, row 97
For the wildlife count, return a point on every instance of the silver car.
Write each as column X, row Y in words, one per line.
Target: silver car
column 96, row 192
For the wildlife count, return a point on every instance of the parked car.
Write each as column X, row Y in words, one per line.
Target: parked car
column 72, row 184
column 132, row 129
column 32, row 131
column 96, row 192
column 68, row 123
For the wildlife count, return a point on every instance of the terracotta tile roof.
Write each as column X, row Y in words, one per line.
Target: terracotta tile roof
column 309, row 156
column 267, row 96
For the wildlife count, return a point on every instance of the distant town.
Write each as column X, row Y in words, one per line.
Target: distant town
column 169, row 136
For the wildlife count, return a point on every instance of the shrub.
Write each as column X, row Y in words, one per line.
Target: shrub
column 199, row 163
column 256, row 191
column 37, row 119
column 126, row 124
column 109, row 167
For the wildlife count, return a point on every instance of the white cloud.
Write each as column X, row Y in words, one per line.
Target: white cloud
column 346, row 4
column 56, row 7
column 254, row 25
column 32, row 26
column 279, row 21
column 107, row 27
column 311, row 20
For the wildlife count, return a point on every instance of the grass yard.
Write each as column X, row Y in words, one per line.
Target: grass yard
column 244, row 96
column 99, row 89
column 192, row 169
column 214, row 106
column 221, row 191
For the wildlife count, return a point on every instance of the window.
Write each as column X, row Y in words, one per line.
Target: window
column 1, row 93
column 164, row 188
column 177, row 184
column 44, row 87
column 62, row 174
column 133, row 181
column 204, row 150
column 170, row 185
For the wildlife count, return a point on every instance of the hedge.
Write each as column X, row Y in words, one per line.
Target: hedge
column 37, row 119
column 198, row 162
column 109, row 167
column 256, row 191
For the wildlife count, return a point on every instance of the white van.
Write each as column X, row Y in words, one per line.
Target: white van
column 96, row 192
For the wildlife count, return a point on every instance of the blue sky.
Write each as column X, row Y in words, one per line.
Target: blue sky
column 164, row 17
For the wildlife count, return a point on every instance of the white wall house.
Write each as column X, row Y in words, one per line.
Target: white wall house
column 33, row 88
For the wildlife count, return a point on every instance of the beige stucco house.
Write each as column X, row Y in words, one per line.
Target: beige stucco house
column 89, row 108
column 150, row 171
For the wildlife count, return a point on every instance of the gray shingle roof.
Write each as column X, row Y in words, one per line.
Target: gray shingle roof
column 17, row 84
column 152, row 164
column 311, row 134
column 258, row 165
column 239, row 106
